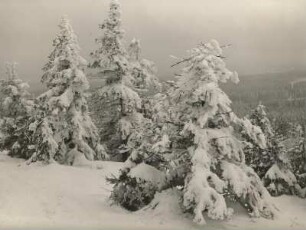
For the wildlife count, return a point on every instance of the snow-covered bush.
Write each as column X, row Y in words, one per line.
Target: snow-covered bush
column 136, row 187
column 61, row 115
column 15, row 112
column 217, row 160
column 280, row 180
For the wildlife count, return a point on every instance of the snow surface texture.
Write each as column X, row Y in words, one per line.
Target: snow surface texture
column 55, row 196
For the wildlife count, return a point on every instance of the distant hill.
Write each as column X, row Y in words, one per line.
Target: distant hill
column 272, row 86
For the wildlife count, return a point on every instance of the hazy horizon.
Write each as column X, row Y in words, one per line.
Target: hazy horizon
column 266, row 35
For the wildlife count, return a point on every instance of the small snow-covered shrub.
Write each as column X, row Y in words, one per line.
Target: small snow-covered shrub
column 132, row 193
column 135, row 187
column 281, row 181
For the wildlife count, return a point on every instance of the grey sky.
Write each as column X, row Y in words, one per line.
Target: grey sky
column 266, row 35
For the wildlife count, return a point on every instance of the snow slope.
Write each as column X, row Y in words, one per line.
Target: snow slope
column 55, row 196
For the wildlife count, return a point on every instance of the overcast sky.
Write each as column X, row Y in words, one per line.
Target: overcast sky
column 266, row 35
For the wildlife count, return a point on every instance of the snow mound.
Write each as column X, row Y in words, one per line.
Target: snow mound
column 164, row 202
column 148, row 173
column 165, row 212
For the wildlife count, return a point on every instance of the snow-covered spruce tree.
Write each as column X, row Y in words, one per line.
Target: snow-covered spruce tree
column 62, row 116
column 298, row 156
column 15, row 111
column 120, row 104
column 260, row 159
column 272, row 163
column 280, row 179
column 294, row 142
column 216, row 165
column 145, row 82
column 143, row 71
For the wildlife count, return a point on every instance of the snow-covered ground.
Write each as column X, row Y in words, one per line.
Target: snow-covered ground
column 55, row 196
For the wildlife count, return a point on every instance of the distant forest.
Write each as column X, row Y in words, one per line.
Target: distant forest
column 283, row 94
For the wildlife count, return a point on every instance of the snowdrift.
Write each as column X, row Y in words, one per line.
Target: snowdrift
column 55, row 196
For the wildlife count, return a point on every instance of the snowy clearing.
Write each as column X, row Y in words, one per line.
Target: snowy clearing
column 51, row 196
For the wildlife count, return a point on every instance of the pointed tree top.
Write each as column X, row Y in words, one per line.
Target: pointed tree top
column 261, row 109
column 66, row 30
column 65, row 55
column 115, row 4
